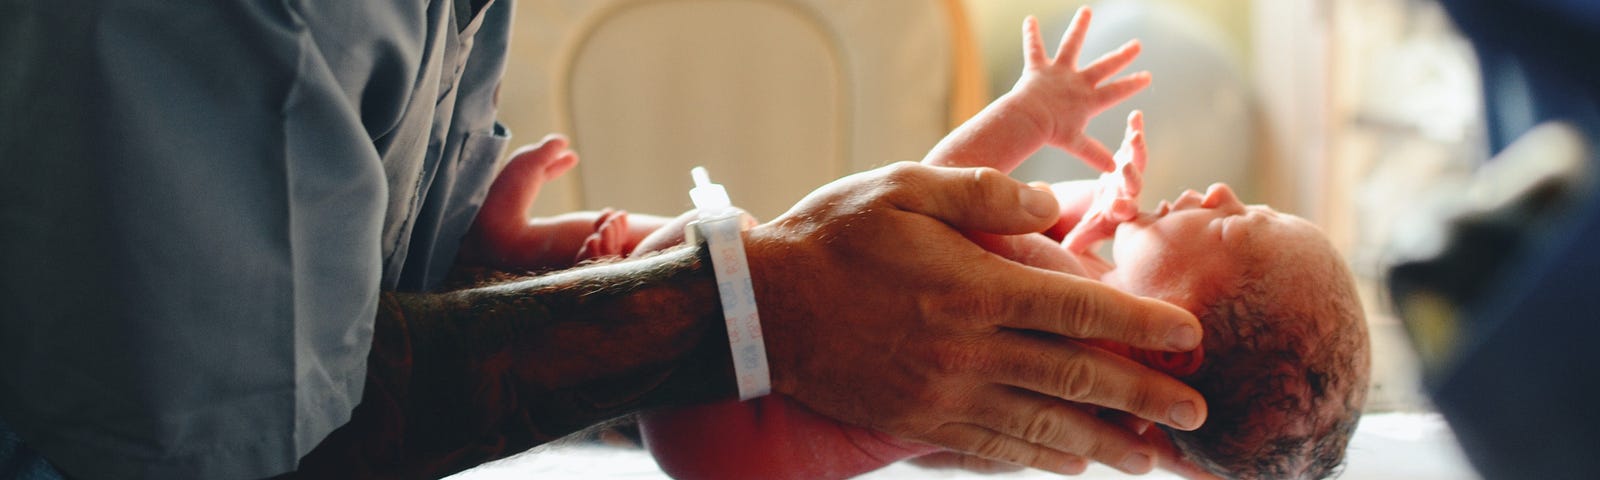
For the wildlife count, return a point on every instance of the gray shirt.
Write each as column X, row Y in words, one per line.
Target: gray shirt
column 200, row 202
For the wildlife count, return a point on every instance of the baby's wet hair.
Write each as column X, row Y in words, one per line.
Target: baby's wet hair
column 1285, row 374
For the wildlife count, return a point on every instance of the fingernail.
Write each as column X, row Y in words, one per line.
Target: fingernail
column 1137, row 463
column 1039, row 203
column 1184, row 338
column 1185, row 415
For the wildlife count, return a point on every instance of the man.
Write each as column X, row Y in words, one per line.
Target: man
column 190, row 289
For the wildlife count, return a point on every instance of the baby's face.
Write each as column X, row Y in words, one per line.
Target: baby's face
column 1285, row 360
column 1188, row 249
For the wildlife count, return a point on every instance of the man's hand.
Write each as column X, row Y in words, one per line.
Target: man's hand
column 881, row 313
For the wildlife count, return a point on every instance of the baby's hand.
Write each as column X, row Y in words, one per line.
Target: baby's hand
column 1062, row 98
column 1117, row 196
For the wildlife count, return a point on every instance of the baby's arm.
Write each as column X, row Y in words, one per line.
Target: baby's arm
column 1049, row 105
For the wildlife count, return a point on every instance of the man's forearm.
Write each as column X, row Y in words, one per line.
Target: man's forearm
column 460, row 378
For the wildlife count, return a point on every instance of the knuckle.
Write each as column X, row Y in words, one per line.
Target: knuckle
column 901, row 183
column 1001, row 448
column 989, row 183
column 1076, row 378
column 1085, row 314
column 902, row 172
column 1043, row 429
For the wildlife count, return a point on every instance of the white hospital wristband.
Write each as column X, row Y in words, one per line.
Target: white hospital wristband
column 720, row 227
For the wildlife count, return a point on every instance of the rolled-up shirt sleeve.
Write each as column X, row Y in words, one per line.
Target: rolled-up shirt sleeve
column 190, row 214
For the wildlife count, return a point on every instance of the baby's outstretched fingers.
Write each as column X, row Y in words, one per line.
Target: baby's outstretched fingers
column 1032, row 46
column 1116, row 91
column 1072, row 40
column 1133, row 155
column 1111, row 63
column 1093, row 153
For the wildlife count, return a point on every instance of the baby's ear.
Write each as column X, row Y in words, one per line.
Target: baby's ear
column 1177, row 364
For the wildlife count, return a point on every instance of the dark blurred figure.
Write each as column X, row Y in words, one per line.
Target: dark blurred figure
column 1507, row 317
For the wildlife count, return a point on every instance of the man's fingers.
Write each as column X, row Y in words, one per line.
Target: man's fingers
column 1079, row 308
column 1111, row 63
column 1064, row 427
column 1032, row 45
column 1073, row 371
column 1072, row 40
column 1036, row 251
column 986, row 443
column 981, row 199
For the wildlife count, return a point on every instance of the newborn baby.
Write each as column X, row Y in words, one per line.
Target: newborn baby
column 1284, row 361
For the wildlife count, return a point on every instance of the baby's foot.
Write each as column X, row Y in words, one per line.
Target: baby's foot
column 610, row 237
column 518, row 184
column 502, row 230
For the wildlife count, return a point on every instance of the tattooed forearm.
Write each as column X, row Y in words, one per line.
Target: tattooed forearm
column 465, row 377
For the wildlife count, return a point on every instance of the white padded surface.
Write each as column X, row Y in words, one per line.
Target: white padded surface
column 1412, row 446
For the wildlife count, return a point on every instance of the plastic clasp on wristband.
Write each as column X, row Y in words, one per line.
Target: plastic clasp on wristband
column 720, row 226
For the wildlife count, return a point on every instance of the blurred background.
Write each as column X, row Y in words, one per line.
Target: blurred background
column 1340, row 111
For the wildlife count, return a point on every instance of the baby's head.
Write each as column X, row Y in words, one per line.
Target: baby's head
column 1285, row 356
